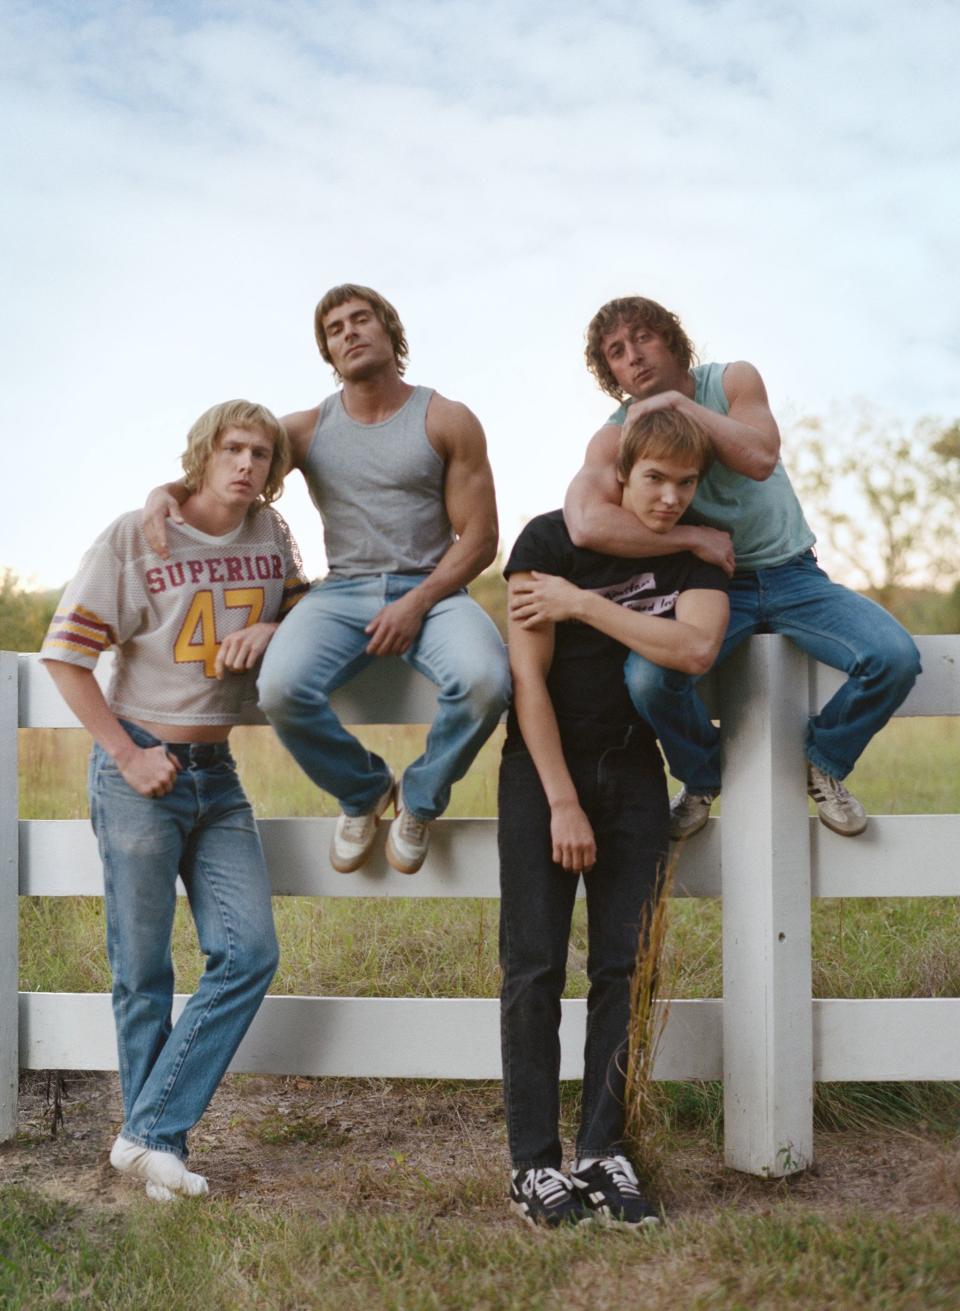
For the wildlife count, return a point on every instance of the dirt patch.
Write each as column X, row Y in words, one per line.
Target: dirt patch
column 322, row 1144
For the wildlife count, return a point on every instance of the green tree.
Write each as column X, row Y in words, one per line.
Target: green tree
column 24, row 615
column 881, row 496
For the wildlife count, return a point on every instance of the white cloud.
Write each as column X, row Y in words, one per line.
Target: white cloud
column 183, row 181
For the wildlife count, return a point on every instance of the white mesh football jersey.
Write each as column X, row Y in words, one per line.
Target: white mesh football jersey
column 167, row 618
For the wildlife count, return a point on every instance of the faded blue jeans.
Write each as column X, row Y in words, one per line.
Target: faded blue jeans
column 834, row 625
column 204, row 831
column 321, row 645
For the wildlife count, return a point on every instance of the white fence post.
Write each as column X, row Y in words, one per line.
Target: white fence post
column 9, row 890
column 765, row 855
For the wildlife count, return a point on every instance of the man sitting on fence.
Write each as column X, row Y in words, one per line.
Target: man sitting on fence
column 582, row 790
column 746, row 517
column 165, row 799
column 402, row 482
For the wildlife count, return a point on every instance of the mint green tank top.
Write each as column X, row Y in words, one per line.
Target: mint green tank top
column 764, row 519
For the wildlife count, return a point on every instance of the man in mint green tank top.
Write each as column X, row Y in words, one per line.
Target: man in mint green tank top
column 745, row 517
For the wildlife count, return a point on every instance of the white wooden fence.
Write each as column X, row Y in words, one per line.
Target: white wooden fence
column 766, row 1038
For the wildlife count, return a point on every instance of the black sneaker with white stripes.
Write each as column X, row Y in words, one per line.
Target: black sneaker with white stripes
column 609, row 1189
column 543, row 1196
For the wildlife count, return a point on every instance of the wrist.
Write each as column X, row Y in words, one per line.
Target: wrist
column 686, row 536
column 123, row 752
column 565, row 801
column 583, row 605
column 420, row 600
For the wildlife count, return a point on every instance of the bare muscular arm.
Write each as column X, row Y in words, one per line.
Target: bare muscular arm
column 746, row 439
column 596, row 519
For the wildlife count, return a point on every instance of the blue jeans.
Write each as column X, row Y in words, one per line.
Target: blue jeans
column 623, row 792
column 834, row 625
column 204, row 831
column 322, row 644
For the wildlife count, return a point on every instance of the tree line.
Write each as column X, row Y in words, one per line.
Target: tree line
column 881, row 496
column 24, row 613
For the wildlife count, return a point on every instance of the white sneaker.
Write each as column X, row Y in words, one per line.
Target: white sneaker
column 838, row 809
column 689, row 811
column 353, row 835
column 407, row 841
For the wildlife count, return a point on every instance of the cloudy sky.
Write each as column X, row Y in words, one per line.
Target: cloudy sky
column 183, row 180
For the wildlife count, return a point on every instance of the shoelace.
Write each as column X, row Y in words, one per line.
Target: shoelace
column 621, row 1174
column 355, row 827
column 832, row 785
column 411, row 828
column 548, row 1184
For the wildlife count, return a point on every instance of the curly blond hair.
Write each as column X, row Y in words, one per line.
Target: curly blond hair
column 631, row 310
column 213, row 423
column 381, row 307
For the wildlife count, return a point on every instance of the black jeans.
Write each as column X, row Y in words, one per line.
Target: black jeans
column 623, row 792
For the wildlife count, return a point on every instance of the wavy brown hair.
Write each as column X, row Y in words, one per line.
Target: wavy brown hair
column 664, row 435
column 381, row 307
column 213, row 423
column 633, row 310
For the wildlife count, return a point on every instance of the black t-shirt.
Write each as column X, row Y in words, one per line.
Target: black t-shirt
column 585, row 680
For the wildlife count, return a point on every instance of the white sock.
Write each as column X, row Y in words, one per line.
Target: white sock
column 161, row 1169
column 585, row 1162
column 157, row 1193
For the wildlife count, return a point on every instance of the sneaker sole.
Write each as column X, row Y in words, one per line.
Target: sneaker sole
column 690, row 833
column 354, row 862
column 648, row 1222
column 834, row 827
column 399, row 864
column 521, row 1211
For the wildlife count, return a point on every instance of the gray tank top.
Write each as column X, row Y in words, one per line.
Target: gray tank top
column 379, row 490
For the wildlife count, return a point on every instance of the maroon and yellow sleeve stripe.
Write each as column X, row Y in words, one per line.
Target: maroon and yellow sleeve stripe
column 77, row 632
column 294, row 589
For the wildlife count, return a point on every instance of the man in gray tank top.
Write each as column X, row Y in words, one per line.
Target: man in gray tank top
column 745, row 517
column 401, row 479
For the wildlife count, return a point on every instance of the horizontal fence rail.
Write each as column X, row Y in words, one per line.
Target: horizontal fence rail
column 767, row 1039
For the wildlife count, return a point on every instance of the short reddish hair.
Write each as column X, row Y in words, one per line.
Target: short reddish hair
column 664, row 435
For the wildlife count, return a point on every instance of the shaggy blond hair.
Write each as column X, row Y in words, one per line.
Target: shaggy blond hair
column 203, row 437
column 664, row 435
column 381, row 307
column 631, row 311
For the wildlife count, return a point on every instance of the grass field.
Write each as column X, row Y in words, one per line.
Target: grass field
column 394, row 1234
column 231, row 1256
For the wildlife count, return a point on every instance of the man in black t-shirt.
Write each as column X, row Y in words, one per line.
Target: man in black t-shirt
column 582, row 791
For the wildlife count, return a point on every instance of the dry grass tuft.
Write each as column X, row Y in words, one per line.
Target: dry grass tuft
column 649, row 1008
